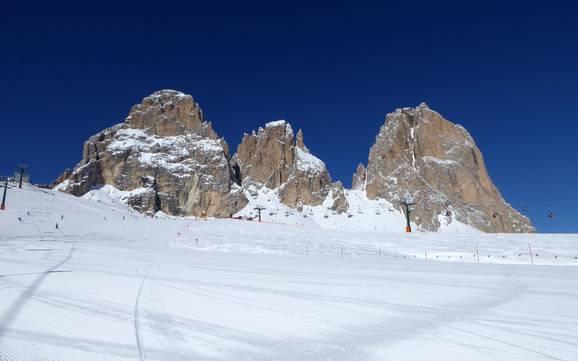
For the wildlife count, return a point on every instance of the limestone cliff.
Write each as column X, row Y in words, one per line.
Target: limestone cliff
column 277, row 159
column 166, row 155
column 358, row 179
column 419, row 156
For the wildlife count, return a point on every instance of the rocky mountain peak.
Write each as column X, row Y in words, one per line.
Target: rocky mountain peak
column 266, row 156
column 169, row 113
column 164, row 157
column 276, row 158
column 299, row 141
column 437, row 163
column 358, row 180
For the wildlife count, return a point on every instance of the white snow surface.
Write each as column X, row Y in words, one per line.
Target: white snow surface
column 308, row 163
column 110, row 195
column 275, row 123
column 363, row 215
column 110, row 284
column 164, row 92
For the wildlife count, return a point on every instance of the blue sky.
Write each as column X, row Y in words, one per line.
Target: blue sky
column 507, row 71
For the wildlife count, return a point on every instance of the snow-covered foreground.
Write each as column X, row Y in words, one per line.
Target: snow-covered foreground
column 101, row 287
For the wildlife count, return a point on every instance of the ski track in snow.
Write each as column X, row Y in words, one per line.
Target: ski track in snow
column 18, row 305
column 137, row 326
column 144, row 289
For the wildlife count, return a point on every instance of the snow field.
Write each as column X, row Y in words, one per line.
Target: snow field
column 101, row 287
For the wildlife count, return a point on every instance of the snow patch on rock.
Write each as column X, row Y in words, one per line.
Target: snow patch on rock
column 108, row 194
column 364, row 215
column 307, row 162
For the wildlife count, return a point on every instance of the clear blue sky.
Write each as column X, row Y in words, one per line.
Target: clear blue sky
column 507, row 71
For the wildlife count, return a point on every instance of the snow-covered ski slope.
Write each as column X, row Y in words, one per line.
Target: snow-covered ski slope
column 364, row 214
column 109, row 284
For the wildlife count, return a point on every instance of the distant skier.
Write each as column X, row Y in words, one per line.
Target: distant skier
column 62, row 217
column 56, row 225
column 28, row 213
column 19, row 219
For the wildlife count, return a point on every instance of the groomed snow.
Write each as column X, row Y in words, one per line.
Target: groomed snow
column 110, row 284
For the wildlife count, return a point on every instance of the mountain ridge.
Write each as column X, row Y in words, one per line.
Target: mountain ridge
column 167, row 157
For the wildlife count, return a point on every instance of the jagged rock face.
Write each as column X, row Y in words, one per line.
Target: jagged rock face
column 275, row 158
column 61, row 178
column 309, row 182
column 167, row 155
column 170, row 113
column 422, row 157
column 267, row 156
column 340, row 203
column 358, row 180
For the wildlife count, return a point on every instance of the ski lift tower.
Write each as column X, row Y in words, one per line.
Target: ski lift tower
column 21, row 174
column 259, row 209
column 407, row 208
column 3, row 205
